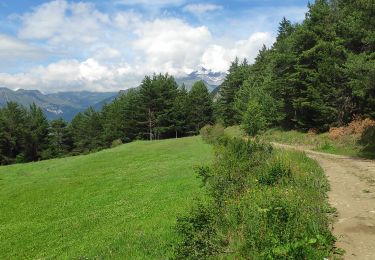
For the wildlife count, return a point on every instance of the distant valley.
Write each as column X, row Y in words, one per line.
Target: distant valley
column 67, row 104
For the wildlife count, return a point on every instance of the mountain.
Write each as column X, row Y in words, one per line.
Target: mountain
column 62, row 104
column 67, row 104
column 211, row 78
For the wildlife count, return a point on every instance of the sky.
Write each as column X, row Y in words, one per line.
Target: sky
column 69, row 45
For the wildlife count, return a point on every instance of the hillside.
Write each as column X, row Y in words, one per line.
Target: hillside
column 56, row 105
column 115, row 203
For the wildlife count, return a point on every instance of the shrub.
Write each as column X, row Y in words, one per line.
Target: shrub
column 368, row 139
column 116, row 142
column 279, row 225
column 212, row 133
column 254, row 120
column 359, row 125
column 355, row 128
column 198, row 234
column 336, row 133
column 245, row 218
column 278, row 171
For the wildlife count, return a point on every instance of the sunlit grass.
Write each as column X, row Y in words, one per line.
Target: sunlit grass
column 118, row 203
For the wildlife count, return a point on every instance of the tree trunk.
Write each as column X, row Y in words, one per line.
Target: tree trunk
column 150, row 123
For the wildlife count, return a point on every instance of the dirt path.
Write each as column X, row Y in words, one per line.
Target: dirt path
column 353, row 195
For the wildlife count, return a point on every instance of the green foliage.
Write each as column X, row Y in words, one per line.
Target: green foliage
column 244, row 218
column 316, row 75
column 226, row 111
column 123, row 118
column 60, row 139
column 200, row 107
column 157, row 99
column 23, row 134
column 87, row 130
column 199, row 224
column 116, row 143
column 277, row 172
column 254, row 120
column 212, row 133
column 368, row 140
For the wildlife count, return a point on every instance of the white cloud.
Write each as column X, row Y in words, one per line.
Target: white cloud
column 62, row 22
column 106, row 53
column 171, row 45
column 201, row 8
column 14, row 49
column 152, row 3
column 218, row 58
column 127, row 20
column 72, row 75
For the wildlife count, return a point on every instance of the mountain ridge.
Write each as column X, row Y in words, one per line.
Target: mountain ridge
column 66, row 104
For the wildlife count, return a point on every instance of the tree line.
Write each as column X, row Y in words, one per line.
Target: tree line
column 159, row 108
column 317, row 74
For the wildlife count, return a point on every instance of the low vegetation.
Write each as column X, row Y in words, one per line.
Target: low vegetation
column 356, row 139
column 120, row 203
column 259, row 205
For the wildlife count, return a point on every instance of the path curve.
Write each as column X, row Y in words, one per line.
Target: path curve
column 352, row 193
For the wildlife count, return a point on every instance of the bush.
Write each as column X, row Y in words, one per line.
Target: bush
column 277, row 172
column 254, row 120
column 212, row 133
column 199, row 238
column 243, row 218
column 279, row 225
column 116, row 142
column 368, row 140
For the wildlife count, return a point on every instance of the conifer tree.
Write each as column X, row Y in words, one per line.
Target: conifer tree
column 200, row 106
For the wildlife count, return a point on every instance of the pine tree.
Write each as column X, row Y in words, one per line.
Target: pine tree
column 158, row 94
column 60, row 139
column 13, row 131
column 200, row 106
column 226, row 110
column 37, row 134
column 180, row 113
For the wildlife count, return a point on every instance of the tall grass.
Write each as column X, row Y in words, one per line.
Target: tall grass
column 261, row 204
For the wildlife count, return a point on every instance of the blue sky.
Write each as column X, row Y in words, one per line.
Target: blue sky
column 110, row 45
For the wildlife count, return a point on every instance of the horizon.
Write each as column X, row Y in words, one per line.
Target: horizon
column 107, row 46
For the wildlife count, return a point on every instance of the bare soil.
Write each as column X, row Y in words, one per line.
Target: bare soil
column 352, row 193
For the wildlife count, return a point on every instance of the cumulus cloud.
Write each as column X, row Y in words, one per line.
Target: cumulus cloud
column 218, row 58
column 171, row 45
column 201, row 8
column 71, row 75
column 62, row 22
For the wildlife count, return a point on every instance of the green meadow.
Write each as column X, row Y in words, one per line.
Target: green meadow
column 117, row 203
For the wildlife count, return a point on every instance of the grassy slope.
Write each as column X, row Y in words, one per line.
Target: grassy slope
column 115, row 203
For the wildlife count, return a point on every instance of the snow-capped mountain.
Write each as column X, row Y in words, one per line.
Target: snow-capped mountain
column 211, row 78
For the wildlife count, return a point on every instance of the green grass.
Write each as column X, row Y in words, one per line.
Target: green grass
column 318, row 142
column 263, row 204
column 117, row 203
